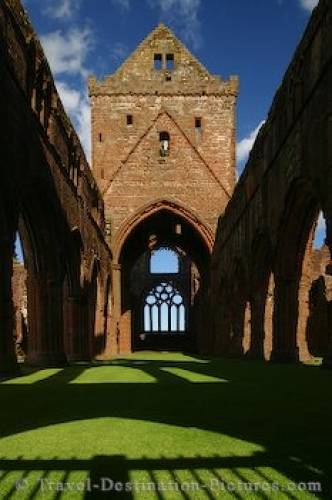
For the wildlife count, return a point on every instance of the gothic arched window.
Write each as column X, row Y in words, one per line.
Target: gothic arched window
column 164, row 310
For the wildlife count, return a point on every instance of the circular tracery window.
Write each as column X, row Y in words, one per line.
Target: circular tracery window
column 164, row 309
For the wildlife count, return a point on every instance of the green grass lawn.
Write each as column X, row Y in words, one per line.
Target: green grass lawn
column 197, row 428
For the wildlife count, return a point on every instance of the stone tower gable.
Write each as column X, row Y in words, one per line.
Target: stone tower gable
column 139, row 74
column 161, row 41
column 183, row 177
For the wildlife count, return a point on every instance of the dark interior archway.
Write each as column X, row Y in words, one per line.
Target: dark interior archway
column 165, row 304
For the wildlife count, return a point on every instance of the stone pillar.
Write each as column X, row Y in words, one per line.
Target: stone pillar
column 285, row 321
column 122, row 320
column 8, row 362
column 76, row 346
column 236, row 341
column 85, row 327
column 113, row 337
column 45, row 341
column 327, row 360
column 124, row 342
column 215, row 331
column 268, row 319
column 222, row 322
column 302, row 342
column 257, row 303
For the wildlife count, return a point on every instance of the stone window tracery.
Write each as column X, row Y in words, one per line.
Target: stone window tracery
column 164, row 309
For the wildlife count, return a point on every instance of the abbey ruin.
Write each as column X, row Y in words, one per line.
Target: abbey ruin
column 244, row 278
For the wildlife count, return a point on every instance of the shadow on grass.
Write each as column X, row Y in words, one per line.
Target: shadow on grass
column 111, row 475
column 284, row 409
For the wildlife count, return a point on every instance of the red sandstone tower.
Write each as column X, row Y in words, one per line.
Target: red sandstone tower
column 163, row 148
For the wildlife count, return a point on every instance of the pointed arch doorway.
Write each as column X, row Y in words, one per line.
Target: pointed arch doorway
column 164, row 262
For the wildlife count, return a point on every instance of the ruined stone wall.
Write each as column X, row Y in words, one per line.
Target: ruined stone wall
column 199, row 172
column 318, row 296
column 30, row 92
column 183, row 177
column 48, row 193
column 194, row 180
column 265, row 229
column 213, row 143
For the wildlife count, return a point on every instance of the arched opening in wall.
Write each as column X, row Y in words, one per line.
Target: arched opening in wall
column 36, row 287
column 39, row 255
column 41, row 228
column 26, row 265
column 34, row 242
column 164, row 263
column 20, row 299
column 164, row 306
column 316, row 287
column 294, row 261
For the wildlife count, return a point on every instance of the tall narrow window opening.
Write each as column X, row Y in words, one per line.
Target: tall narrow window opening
column 164, row 140
column 158, row 61
column 198, row 124
column 170, row 62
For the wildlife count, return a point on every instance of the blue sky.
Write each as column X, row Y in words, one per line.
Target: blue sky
column 254, row 39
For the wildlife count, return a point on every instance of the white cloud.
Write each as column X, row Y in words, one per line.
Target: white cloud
column 124, row 4
column 309, row 4
column 84, row 125
column 61, row 9
column 70, row 97
column 76, row 104
column 118, row 51
column 66, row 52
column 245, row 145
column 184, row 14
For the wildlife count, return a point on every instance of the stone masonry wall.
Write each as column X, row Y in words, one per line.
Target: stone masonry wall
column 199, row 172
